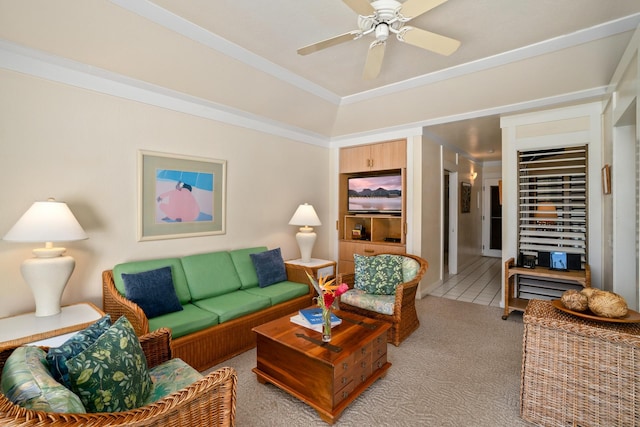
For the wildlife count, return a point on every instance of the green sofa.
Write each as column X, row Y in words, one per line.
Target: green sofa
column 220, row 300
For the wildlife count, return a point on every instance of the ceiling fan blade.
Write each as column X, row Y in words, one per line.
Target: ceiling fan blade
column 374, row 60
column 361, row 7
column 428, row 40
column 412, row 8
column 342, row 38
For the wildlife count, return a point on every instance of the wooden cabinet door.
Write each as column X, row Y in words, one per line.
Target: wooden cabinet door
column 389, row 155
column 355, row 159
column 382, row 156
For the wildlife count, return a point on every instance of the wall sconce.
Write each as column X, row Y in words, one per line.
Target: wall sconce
column 48, row 272
column 474, row 175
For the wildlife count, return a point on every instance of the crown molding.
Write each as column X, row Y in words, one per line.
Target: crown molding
column 50, row 67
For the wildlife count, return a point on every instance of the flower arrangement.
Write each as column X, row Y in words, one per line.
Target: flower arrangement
column 327, row 291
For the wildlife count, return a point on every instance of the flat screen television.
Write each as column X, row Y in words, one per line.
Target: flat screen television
column 375, row 194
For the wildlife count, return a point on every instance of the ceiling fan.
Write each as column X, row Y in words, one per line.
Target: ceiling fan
column 382, row 17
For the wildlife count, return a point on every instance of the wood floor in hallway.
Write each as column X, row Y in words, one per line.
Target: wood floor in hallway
column 479, row 282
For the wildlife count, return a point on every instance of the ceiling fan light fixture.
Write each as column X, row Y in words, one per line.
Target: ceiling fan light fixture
column 382, row 32
column 381, row 17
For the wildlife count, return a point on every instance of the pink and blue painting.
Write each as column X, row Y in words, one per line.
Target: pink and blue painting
column 183, row 196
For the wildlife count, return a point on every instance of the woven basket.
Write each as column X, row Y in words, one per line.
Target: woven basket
column 578, row 372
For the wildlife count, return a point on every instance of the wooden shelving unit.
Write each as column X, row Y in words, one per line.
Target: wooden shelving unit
column 522, row 284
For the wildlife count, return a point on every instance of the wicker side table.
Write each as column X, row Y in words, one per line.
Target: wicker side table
column 577, row 371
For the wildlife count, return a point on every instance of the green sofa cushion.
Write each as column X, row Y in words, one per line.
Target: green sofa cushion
column 169, row 377
column 210, row 275
column 190, row 319
column 177, row 272
column 281, row 292
column 234, row 304
column 244, row 266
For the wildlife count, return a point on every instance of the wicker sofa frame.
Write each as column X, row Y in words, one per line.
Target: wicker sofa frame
column 210, row 346
column 405, row 318
column 210, row 401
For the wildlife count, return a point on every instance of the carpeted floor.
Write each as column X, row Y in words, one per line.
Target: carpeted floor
column 460, row 368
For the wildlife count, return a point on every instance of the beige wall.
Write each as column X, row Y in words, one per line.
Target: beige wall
column 621, row 272
column 81, row 147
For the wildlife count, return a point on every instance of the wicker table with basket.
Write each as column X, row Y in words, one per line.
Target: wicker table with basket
column 577, row 371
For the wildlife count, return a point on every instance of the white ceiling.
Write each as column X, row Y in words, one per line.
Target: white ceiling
column 490, row 30
column 239, row 56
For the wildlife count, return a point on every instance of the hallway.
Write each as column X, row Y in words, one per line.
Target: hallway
column 479, row 283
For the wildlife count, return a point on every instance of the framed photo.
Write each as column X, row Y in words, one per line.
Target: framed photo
column 180, row 196
column 606, row 179
column 465, row 197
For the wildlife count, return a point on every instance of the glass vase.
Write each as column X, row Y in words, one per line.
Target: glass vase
column 326, row 324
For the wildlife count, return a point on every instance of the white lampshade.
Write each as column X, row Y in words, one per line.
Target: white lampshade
column 48, row 272
column 48, row 221
column 305, row 215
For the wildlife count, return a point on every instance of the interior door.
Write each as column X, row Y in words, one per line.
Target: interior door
column 491, row 219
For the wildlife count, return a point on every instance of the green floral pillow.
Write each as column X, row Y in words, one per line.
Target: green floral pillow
column 111, row 375
column 385, row 273
column 361, row 271
column 57, row 356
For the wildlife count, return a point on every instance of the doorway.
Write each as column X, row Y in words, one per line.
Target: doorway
column 450, row 222
column 492, row 219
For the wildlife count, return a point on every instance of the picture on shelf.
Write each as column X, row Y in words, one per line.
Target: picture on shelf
column 375, row 194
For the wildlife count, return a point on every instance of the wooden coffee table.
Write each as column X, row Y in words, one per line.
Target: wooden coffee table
column 326, row 376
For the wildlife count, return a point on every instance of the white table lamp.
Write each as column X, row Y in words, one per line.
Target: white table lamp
column 305, row 216
column 48, row 272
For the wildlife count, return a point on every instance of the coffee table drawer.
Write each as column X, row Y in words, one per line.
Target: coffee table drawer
column 343, row 393
column 380, row 362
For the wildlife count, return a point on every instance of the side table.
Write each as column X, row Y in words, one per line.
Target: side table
column 318, row 267
column 50, row 330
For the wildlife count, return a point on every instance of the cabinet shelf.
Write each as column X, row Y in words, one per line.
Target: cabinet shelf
column 373, row 228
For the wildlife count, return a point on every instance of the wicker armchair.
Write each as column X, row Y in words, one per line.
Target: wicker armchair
column 210, row 401
column 404, row 319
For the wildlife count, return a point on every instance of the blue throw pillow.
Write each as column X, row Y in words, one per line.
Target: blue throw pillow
column 269, row 267
column 153, row 291
column 57, row 356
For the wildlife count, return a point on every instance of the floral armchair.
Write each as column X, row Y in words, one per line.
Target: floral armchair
column 209, row 401
column 384, row 287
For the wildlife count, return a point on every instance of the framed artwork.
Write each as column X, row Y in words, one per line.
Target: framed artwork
column 465, row 197
column 606, row 179
column 180, row 196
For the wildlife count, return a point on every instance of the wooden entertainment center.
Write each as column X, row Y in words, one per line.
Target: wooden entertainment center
column 370, row 233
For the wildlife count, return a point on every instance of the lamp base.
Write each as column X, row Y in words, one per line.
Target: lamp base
column 47, row 278
column 306, row 238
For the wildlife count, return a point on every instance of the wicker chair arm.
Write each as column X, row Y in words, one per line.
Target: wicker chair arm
column 116, row 305
column 157, row 346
